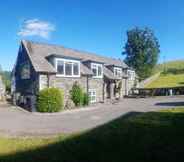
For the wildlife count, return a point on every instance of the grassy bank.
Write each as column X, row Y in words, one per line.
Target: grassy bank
column 169, row 80
column 138, row 137
column 178, row 64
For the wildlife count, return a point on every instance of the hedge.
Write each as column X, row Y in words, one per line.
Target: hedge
column 50, row 100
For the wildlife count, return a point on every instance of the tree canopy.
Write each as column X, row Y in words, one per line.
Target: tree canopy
column 142, row 51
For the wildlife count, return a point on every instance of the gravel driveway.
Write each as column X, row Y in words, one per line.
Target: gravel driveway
column 16, row 122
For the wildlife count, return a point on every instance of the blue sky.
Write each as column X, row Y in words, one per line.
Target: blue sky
column 97, row 26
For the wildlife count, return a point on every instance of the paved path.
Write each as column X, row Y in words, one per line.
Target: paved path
column 15, row 122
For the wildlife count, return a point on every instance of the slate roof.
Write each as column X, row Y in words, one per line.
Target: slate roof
column 109, row 74
column 38, row 53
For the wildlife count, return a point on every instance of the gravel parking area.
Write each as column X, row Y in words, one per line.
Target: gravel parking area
column 16, row 122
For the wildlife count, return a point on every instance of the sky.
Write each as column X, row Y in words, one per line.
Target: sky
column 97, row 26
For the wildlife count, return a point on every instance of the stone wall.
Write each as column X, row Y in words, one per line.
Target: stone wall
column 123, row 87
column 97, row 85
column 86, row 83
column 66, row 84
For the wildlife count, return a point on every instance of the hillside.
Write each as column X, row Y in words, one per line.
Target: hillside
column 172, row 75
column 177, row 64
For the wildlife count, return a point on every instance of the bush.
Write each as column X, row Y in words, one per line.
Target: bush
column 77, row 95
column 85, row 99
column 50, row 100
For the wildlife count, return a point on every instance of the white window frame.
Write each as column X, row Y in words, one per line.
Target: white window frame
column 90, row 91
column 97, row 65
column 119, row 70
column 65, row 61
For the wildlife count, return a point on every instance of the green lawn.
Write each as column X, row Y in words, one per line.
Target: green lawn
column 138, row 137
column 169, row 80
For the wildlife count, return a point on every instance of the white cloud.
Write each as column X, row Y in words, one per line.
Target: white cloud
column 36, row 27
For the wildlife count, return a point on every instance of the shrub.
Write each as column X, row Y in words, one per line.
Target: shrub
column 50, row 100
column 77, row 94
column 85, row 99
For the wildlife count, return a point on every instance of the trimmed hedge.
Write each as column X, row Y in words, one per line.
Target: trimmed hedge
column 50, row 100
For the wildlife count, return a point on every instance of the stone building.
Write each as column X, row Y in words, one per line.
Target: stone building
column 39, row 66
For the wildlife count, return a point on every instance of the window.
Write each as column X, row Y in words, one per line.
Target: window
column 92, row 95
column 75, row 69
column 67, row 68
column 97, row 70
column 60, row 67
column 117, row 72
column 131, row 75
column 25, row 71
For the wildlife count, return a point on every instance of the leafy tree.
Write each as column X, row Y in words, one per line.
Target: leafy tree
column 142, row 51
column 1, row 70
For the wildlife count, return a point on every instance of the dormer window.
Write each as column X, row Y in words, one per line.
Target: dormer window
column 97, row 70
column 67, row 68
column 117, row 72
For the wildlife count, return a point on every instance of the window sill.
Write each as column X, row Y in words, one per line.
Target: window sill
column 65, row 76
column 97, row 77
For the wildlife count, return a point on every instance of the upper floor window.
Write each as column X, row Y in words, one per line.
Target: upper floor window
column 117, row 72
column 97, row 70
column 67, row 68
column 131, row 74
column 25, row 71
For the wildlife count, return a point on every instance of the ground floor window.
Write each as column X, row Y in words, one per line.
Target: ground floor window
column 92, row 95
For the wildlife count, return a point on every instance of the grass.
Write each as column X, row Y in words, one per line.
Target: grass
column 172, row 75
column 169, row 80
column 137, row 137
column 178, row 64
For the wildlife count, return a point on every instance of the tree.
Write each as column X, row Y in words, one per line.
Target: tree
column 142, row 51
column 6, row 78
column 1, row 69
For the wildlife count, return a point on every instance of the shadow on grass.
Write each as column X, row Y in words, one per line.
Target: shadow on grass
column 170, row 104
column 181, row 82
column 136, row 137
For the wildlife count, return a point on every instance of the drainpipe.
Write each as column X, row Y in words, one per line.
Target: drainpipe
column 48, row 80
column 87, row 84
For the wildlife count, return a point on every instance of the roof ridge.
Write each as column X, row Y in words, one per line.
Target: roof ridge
column 76, row 50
